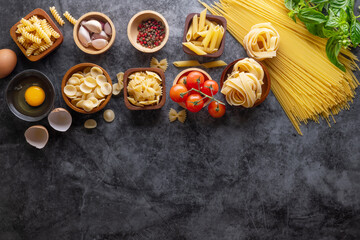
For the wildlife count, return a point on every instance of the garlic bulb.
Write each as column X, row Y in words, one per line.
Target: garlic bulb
column 93, row 26
column 84, row 36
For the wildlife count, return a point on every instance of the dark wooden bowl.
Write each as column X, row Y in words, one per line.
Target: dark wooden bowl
column 219, row 20
column 42, row 15
column 126, row 79
column 77, row 68
column 185, row 73
column 265, row 87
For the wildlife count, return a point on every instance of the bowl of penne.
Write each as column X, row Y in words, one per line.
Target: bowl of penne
column 36, row 35
column 204, row 35
column 148, row 31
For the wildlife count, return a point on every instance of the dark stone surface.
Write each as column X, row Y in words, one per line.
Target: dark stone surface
column 246, row 176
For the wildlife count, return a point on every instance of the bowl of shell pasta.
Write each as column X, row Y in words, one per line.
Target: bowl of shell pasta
column 86, row 88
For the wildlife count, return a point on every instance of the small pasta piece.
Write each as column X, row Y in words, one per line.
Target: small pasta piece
column 182, row 116
column 41, row 32
column 163, row 64
column 214, row 64
column 173, row 115
column 56, row 16
column 44, row 47
column 34, row 19
column 70, row 90
column 45, row 27
column 21, row 40
column 189, row 63
column 54, row 33
column 36, row 52
column 70, row 18
column 194, row 48
column 31, row 49
column 30, row 36
column 26, row 23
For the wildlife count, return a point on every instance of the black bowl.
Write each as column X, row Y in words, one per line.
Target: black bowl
column 15, row 92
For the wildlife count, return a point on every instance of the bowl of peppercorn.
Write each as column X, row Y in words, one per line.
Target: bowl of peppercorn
column 148, row 31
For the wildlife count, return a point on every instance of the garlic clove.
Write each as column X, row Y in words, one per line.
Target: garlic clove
column 107, row 29
column 99, row 43
column 101, row 35
column 93, row 26
column 84, row 36
column 102, row 25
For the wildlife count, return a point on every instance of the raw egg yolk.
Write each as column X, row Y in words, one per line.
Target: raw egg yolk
column 34, row 96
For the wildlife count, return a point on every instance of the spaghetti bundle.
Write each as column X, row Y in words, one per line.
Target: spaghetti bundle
column 307, row 85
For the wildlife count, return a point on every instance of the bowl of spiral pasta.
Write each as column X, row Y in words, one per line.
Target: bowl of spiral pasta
column 245, row 83
column 36, row 35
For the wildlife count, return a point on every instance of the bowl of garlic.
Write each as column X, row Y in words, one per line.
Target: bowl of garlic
column 86, row 88
column 94, row 33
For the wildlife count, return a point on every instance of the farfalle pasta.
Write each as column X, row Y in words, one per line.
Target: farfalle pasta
column 173, row 115
column 144, row 89
column 163, row 64
column 262, row 41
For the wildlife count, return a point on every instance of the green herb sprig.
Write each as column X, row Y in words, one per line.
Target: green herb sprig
column 332, row 19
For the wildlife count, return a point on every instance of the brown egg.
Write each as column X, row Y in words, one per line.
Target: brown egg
column 8, row 61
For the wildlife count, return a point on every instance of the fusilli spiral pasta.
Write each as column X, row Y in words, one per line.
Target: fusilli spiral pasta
column 70, row 18
column 31, row 49
column 30, row 36
column 45, row 27
column 56, row 16
column 41, row 33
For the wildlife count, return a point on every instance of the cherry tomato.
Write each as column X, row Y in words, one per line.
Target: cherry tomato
column 216, row 110
column 194, row 103
column 182, row 81
column 195, row 80
column 210, row 87
column 176, row 91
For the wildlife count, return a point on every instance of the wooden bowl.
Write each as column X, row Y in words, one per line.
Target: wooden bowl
column 126, row 80
column 42, row 15
column 185, row 73
column 265, row 87
column 219, row 20
column 132, row 29
column 100, row 17
column 77, row 68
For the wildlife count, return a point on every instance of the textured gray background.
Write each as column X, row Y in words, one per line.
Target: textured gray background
column 246, row 176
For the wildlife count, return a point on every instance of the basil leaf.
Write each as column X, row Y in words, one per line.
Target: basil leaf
column 319, row 1
column 355, row 33
column 309, row 15
column 333, row 48
column 328, row 33
column 316, row 29
column 291, row 4
column 340, row 3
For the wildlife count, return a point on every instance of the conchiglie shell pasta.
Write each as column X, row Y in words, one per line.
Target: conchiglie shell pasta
column 95, row 71
column 70, row 90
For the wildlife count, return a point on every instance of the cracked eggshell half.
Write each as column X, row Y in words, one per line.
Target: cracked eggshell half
column 60, row 119
column 37, row 136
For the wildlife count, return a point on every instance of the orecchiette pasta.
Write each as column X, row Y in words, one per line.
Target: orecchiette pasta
column 86, row 92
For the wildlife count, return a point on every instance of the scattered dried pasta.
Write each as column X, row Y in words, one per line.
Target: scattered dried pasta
column 87, row 90
column 70, row 18
column 117, row 87
column 163, row 64
column 173, row 115
column 56, row 16
column 144, row 89
column 35, row 35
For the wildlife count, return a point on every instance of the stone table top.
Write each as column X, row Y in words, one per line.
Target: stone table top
column 246, row 176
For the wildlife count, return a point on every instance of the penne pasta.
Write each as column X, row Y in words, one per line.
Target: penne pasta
column 202, row 20
column 195, row 24
column 220, row 37
column 208, row 36
column 189, row 33
column 214, row 64
column 214, row 39
column 195, row 49
column 189, row 63
column 203, row 34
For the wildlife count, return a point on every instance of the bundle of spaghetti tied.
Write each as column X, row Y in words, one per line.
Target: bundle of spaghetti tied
column 307, row 85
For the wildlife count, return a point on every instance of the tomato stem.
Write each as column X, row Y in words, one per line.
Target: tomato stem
column 205, row 95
